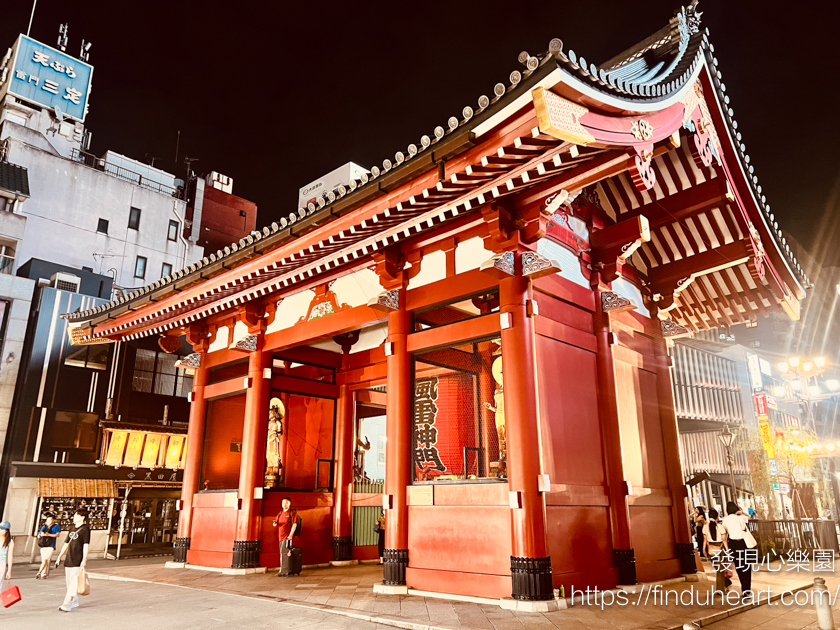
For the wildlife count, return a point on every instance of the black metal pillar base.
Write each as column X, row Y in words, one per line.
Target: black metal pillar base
column 342, row 548
column 685, row 552
column 246, row 554
column 181, row 546
column 625, row 562
column 531, row 578
column 395, row 562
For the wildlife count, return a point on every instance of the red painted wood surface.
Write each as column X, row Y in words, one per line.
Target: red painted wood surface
column 195, row 442
column 224, row 423
column 255, row 429
column 579, row 542
column 443, row 537
column 398, row 425
column 343, row 490
column 459, row 582
column 521, row 420
column 213, row 530
column 309, row 437
column 571, row 439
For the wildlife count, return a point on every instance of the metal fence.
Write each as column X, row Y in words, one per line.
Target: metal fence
column 114, row 170
column 785, row 536
column 364, row 517
column 369, row 486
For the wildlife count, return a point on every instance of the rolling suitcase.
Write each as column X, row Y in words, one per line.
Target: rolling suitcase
column 291, row 563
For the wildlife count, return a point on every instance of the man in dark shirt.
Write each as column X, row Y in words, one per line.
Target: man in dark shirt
column 76, row 550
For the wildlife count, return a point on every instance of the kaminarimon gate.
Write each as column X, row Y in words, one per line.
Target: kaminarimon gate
column 502, row 292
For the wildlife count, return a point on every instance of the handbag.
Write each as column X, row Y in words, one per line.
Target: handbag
column 10, row 596
column 83, row 587
column 749, row 539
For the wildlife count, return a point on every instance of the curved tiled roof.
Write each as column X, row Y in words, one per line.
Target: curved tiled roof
column 655, row 71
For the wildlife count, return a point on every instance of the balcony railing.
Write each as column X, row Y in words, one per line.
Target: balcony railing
column 114, row 170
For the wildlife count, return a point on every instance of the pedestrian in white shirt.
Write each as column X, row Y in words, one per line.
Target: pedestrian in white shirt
column 714, row 542
column 739, row 539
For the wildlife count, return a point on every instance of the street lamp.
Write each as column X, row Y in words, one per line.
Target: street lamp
column 727, row 437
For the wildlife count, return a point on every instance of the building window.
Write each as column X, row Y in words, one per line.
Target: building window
column 134, row 219
column 5, row 307
column 75, row 429
column 756, row 343
column 7, row 259
column 155, row 373
column 140, row 267
column 166, row 270
column 102, row 226
column 172, row 235
column 458, row 423
column 752, row 323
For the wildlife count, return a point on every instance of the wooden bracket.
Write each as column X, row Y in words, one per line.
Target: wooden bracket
column 200, row 337
column 612, row 245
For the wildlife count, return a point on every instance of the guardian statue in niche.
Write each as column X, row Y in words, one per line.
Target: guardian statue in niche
column 500, row 467
column 273, row 463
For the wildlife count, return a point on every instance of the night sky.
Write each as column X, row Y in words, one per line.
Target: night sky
column 277, row 94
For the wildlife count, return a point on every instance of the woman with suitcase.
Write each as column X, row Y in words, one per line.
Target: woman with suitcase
column 287, row 523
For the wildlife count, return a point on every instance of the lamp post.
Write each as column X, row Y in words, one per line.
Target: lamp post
column 727, row 437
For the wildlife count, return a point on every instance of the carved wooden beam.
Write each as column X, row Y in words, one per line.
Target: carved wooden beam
column 200, row 337
column 612, row 245
column 614, row 303
column 386, row 301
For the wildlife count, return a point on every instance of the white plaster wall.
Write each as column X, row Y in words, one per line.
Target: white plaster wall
column 471, row 254
column 432, row 269
column 18, row 291
column 357, row 288
column 291, row 310
column 68, row 199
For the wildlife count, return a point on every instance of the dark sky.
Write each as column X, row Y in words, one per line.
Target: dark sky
column 277, row 94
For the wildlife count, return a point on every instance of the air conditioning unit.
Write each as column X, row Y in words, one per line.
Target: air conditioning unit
column 66, row 282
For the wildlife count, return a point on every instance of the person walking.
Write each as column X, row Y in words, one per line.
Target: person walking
column 76, row 550
column 47, row 537
column 737, row 535
column 714, row 539
column 7, row 554
column 380, row 531
column 699, row 523
column 286, row 522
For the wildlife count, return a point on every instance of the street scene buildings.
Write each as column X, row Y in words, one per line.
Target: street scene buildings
column 506, row 363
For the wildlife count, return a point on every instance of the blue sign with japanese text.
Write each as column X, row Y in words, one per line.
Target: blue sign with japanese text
column 46, row 76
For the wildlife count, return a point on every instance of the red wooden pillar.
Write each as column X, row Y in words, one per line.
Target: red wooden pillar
column 624, row 557
column 530, row 562
column 192, row 465
column 246, row 545
column 398, row 453
column 343, row 490
column 673, row 465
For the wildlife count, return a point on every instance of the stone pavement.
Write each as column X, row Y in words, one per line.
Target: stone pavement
column 346, row 593
column 140, row 606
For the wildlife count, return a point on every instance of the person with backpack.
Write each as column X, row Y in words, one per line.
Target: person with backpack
column 288, row 523
column 47, row 536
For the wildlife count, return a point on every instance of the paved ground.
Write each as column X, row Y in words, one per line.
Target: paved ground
column 324, row 598
column 138, row 606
